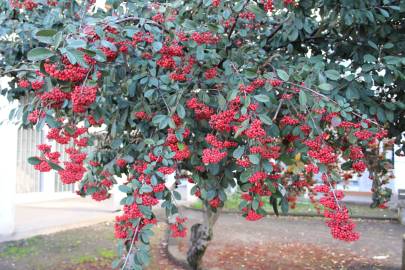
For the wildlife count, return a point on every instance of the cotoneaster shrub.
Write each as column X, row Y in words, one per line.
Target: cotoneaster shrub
column 217, row 93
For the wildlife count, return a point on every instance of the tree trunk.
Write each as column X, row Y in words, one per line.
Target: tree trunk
column 200, row 236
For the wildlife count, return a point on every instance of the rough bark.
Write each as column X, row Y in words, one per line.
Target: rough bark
column 200, row 237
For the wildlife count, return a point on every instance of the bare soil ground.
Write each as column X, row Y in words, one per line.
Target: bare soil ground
column 272, row 243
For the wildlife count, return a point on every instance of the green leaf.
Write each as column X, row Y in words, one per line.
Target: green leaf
column 145, row 189
column 130, row 200
column 244, row 177
column 238, row 152
column 177, row 195
column 262, row 98
column 385, row 13
column 372, row 45
column 390, row 116
column 255, row 204
column 149, row 141
column 282, row 75
column 200, row 53
column 284, row 205
column 34, row 160
column 158, row 118
column 39, row 54
column 78, row 57
column 381, row 114
column 325, row 86
column 242, row 128
column 239, row 6
column 332, row 74
column 45, row 35
column 58, row 39
column 181, row 111
column 293, row 35
column 303, row 99
column 51, row 121
column 347, row 165
column 125, row 189
column 116, row 263
column 221, row 101
column 265, row 119
column 368, row 58
column 254, row 159
column 259, row 12
column 54, row 166
column 157, row 46
column 76, row 43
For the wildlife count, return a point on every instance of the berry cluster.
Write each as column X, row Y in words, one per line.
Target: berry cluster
column 210, row 73
column 212, row 156
column 201, row 111
column 341, row 226
column 255, row 130
column 216, row 3
column 257, row 177
column 250, row 88
column 288, row 120
column 205, row 38
column 54, row 98
column 83, row 97
column 68, row 72
column 268, row 5
column 25, row 4
column 180, row 149
column 178, row 228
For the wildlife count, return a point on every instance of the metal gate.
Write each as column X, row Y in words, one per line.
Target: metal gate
column 30, row 180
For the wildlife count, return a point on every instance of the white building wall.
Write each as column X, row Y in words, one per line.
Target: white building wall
column 8, row 146
column 399, row 171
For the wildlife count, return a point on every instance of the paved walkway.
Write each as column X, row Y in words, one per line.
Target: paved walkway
column 53, row 216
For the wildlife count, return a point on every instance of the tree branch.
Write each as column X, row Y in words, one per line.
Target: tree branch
column 230, row 35
column 17, row 70
column 328, row 99
column 137, row 19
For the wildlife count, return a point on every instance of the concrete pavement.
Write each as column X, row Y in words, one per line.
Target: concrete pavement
column 53, row 216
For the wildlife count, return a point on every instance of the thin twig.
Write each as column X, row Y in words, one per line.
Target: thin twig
column 130, row 248
column 278, row 110
column 276, row 30
column 164, row 100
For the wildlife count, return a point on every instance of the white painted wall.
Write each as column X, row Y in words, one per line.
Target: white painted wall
column 8, row 169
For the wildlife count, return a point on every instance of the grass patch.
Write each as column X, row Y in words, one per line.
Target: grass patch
column 107, row 254
column 306, row 207
column 84, row 259
column 21, row 248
